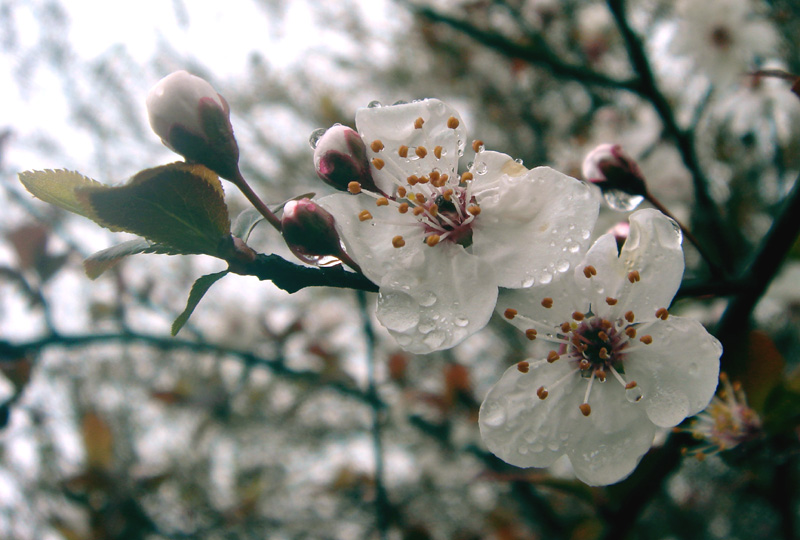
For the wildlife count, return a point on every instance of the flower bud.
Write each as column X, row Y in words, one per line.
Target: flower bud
column 617, row 175
column 340, row 157
column 309, row 231
column 193, row 120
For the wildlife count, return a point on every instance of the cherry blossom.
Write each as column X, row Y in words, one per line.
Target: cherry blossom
column 619, row 365
column 439, row 243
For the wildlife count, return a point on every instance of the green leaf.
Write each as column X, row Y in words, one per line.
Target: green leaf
column 245, row 222
column 199, row 289
column 59, row 187
column 99, row 262
column 179, row 205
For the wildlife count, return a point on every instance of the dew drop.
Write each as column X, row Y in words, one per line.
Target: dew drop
column 562, row 265
column 536, row 448
column 426, row 327
column 574, row 248
column 435, row 339
column 397, row 311
column 461, row 321
column 585, row 234
column 522, row 450
column 621, row 201
column 493, row 415
column 529, row 281
column 315, row 136
column 553, row 446
column 400, row 102
column 518, row 160
column 481, row 168
column 469, row 165
column 374, row 104
column 545, row 278
column 634, row 395
column 427, row 299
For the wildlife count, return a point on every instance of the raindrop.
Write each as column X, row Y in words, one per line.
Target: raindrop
column 536, row 448
column 374, row 104
column 585, row 234
column 529, row 281
column 619, row 200
column 435, row 339
column 562, row 265
column 480, row 168
column 553, row 446
column 397, row 311
column 461, row 321
column 400, row 102
column 315, row 136
column 545, row 278
column 426, row 327
column 427, row 299
column 522, row 450
column 469, row 165
column 634, row 395
column 493, row 414
column 574, row 247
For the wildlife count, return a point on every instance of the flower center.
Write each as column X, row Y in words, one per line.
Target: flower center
column 441, row 203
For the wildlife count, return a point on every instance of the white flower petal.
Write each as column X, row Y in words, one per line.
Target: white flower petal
column 677, row 372
column 394, row 126
column 440, row 302
column 533, row 226
column 369, row 242
column 531, row 303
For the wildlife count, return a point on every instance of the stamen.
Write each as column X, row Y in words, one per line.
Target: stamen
column 584, row 364
column 474, row 209
column 354, row 188
column 452, row 122
column 434, row 210
column 602, row 335
column 382, row 201
column 448, row 194
column 611, row 301
column 418, row 210
column 421, row 151
column 552, row 356
column 434, row 176
column 438, row 152
column 510, row 313
column 600, row 374
column 542, row 392
column 566, row 327
column 466, row 177
column 629, row 316
column 630, row 385
column 376, row 145
column 364, row 215
column 401, row 192
column 398, row 241
column 605, row 323
column 530, row 333
column 647, row 340
column 424, row 180
column 420, row 198
column 547, row 303
column 589, row 271
column 585, row 408
column 523, row 367
column 662, row 313
column 403, row 151
column 418, row 123
column 578, row 316
column 412, row 180
column 378, row 163
column 630, row 332
column 603, row 354
column 634, row 276
column 403, row 208
column 477, row 145
column 432, row 240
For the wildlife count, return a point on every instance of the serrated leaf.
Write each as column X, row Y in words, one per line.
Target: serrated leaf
column 179, row 205
column 58, row 187
column 99, row 262
column 199, row 289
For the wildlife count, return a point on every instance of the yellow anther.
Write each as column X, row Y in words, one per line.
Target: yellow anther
column 634, row 276
column 421, row 151
column 424, row 180
column 382, row 201
column 584, row 364
column 477, row 145
column 378, row 163
column 542, row 392
column 398, row 241
column 443, row 180
column 552, row 356
column 401, row 192
column 566, row 327
column 418, row 210
column 419, row 197
column 630, row 332
column 376, row 145
column 403, row 208
column 547, row 303
column 474, row 209
column 510, row 313
column 403, row 151
column 578, row 316
column 466, row 177
column 354, row 188
column 630, row 385
column 413, row 179
column 603, row 354
column 452, row 122
column 605, row 323
column 418, row 123
column 629, row 316
column 602, row 335
column 438, row 152
column 589, row 271
column 432, row 240
column 647, row 340
column 434, row 210
column 585, row 408
column 523, row 367
column 600, row 374
column 530, row 333
column 611, row 301
column 662, row 313
column 364, row 215
column 434, row 176
column 447, row 194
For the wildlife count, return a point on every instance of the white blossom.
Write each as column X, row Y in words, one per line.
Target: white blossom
column 438, row 243
column 619, row 366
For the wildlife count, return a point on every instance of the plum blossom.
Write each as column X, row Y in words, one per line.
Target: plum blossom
column 619, row 364
column 439, row 243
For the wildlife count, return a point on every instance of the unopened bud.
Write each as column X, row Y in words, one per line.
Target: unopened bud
column 193, row 120
column 340, row 158
column 612, row 169
column 310, row 231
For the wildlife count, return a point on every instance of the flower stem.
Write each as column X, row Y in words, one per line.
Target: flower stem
column 254, row 199
column 716, row 270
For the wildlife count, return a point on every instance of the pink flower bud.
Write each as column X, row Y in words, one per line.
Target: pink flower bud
column 193, row 120
column 309, row 231
column 612, row 169
column 340, row 157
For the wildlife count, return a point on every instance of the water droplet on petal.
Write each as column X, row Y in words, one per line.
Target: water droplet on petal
column 315, row 136
column 493, row 415
column 435, row 339
column 374, row 104
column 397, row 311
column 523, row 450
column 427, row 299
column 461, row 321
column 585, row 234
column 529, row 281
column 574, row 248
column 400, row 102
column 426, row 327
column 545, row 278
column 634, row 395
column 553, row 446
column 562, row 265
column 536, row 448
column 621, row 201
column 481, row 168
